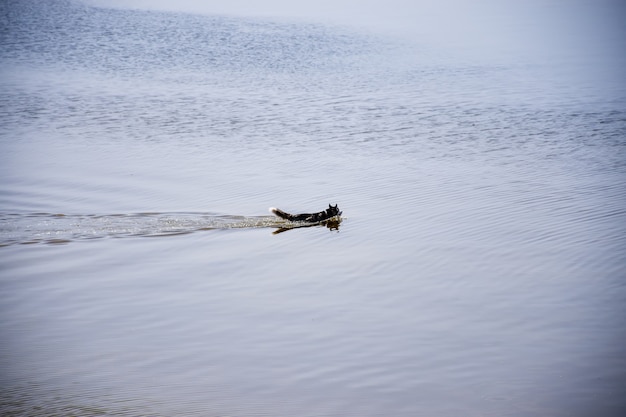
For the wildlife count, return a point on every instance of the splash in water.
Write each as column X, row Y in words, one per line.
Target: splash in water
column 50, row 228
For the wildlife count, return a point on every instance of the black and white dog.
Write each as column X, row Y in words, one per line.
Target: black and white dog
column 329, row 213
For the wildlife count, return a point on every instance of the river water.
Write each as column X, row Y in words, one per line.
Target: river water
column 478, row 269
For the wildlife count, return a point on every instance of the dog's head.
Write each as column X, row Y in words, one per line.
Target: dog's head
column 333, row 211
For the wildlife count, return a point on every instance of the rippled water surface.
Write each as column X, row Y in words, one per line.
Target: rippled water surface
column 478, row 268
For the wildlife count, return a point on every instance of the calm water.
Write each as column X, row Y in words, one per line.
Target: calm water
column 479, row 269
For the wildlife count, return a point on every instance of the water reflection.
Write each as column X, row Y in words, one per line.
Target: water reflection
column 332, row 225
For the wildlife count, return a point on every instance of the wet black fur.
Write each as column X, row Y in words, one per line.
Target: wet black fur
column 329, row 213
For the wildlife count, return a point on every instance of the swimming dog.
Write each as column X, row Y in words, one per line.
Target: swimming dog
column 329, row 213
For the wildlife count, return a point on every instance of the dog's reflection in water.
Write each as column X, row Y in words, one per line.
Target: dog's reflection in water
column 332, row 225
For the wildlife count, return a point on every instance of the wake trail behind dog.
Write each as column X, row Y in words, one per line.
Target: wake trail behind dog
column 64, row 228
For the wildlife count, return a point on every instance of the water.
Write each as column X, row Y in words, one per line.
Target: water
column 478, row 268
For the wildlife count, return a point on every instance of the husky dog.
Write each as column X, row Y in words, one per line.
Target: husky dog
column 329, row 213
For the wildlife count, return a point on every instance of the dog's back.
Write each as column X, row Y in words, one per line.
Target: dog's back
column 330, row 212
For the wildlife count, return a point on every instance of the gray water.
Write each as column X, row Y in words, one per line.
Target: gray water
column 478, row 268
